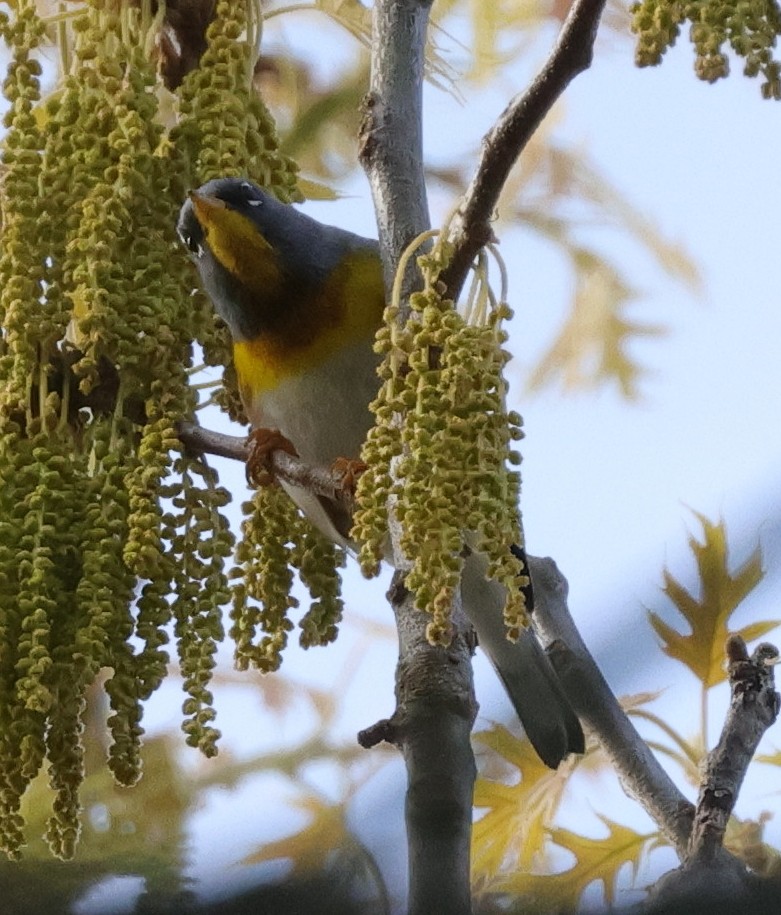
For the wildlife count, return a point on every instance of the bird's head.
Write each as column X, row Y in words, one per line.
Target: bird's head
column 269, row 268
column 231, row 228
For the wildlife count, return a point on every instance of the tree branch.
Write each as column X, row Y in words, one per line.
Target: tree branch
column 711, row 880
column 503, row 144
column 318, row 480
column 753, row 708
column 709, row 874
column 641, row 775
column 436, row 705
column 435, row 712
column 391, row 134
column 204, row 441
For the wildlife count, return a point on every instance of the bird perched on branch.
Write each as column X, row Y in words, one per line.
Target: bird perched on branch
column 303, row 302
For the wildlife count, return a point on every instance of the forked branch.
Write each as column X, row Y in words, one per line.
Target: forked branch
column 506, row 140
column 753, row 708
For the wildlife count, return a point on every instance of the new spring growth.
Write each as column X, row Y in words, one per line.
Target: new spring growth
column 441, row 451
column 110, row 535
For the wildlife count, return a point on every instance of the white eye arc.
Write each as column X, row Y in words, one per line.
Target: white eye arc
column 251, row 199
column 195, row 247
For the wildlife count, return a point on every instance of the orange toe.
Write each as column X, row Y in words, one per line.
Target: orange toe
column 349, row 471
column 262, row 443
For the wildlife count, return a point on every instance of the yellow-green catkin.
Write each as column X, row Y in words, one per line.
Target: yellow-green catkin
column 441, row 454
column 20, row 266
column 109, row 532
column 262, row 597
column 750, row 30
column 29, row 534
column 276, row 541
column 201, row 545
column 234, row 134
column 318, row 560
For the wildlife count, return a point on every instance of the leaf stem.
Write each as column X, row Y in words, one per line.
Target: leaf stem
column 293, row 8
column 704, row 715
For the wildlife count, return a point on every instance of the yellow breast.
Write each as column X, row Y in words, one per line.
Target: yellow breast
column 347, row 309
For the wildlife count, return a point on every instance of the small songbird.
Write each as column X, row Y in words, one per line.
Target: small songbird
column 303, row 302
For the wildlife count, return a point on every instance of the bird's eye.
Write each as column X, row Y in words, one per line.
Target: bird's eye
column 191, row 243
column 249, row 190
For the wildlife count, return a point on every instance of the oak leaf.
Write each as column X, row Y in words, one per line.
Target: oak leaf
column 595, row 860
column 721, row 592
column 512, row 832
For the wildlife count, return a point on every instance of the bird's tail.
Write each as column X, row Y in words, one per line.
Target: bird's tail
column 523, row 667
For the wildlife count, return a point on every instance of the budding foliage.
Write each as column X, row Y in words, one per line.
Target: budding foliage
column 749, row 28
column 112, row 534
column 440, row 454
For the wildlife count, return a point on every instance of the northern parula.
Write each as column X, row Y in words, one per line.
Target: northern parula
column 303, row 302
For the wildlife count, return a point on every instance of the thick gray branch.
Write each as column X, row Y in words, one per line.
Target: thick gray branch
column 435, row 712
column 641, row 775
column 392, row 129
column 502, row 145
column 434, row 690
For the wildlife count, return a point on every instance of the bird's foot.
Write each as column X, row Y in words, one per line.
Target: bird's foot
column 262, row 443
column 348, row 471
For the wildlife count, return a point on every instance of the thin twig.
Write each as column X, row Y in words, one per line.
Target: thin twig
column 501, row 146
column 286, row 467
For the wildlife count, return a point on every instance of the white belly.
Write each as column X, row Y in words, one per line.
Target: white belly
column 325, row 415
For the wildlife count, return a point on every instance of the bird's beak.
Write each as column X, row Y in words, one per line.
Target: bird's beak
column 205, row 207
column 234, row 240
